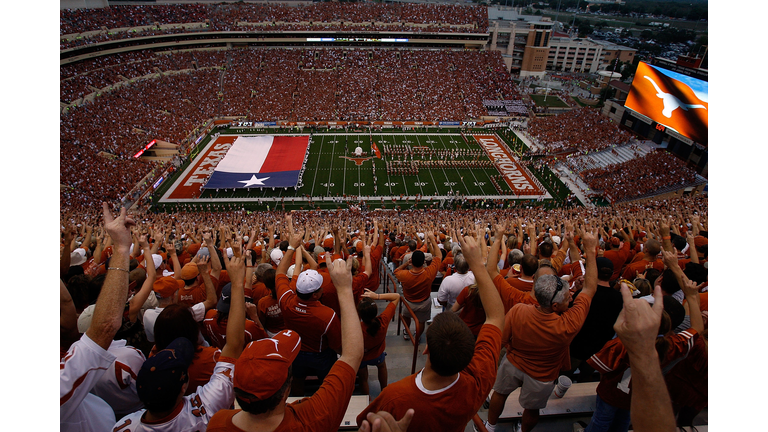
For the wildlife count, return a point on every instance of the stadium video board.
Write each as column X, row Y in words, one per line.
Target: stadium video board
column 673, row 100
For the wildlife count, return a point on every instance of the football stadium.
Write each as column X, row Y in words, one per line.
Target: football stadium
column 377, row 216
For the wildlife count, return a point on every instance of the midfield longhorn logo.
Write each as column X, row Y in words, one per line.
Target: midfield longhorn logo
column 357, row 161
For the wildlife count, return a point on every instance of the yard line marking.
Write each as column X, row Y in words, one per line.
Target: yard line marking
column 330, row 171
column 317, row 166
column 448, row 179
column 473, row 171
column 430, row 171
column 344, row 179
column 458, row 175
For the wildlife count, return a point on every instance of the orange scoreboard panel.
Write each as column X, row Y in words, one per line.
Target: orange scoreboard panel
column 674, row 100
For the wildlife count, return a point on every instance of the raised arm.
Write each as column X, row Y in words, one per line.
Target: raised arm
column 637, row 327
column 489, row 296
column 391, row 297
column 294, row 241
column 159, row 240
column 692, row 247
column 69, row 234
column 367, row 267
column 491, row 266
column 146, row 289
column 236, row 323
column 88, row 235
column 590, row 277
column 666, row 239
column 108, row 313
column 170, row 249
column 299, row 262
column 351, row 332
column 136, row 248
column 689, row 289
column 695, row 224
column 210, row 243
column 99, row 248
column 532, row 239
column 211, row 299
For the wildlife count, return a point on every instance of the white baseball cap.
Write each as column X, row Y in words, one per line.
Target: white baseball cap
column 77, row 257
column 85, row 318
column 158, row 259
column 308, row 282
column 276, row 255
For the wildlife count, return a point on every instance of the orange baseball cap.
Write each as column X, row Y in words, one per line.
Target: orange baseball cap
column 166, row 286
column 189, row 271
column 193, row 248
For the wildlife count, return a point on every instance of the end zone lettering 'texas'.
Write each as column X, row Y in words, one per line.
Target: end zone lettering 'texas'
column 208, row 163
column 515, row 176
column 196, row 176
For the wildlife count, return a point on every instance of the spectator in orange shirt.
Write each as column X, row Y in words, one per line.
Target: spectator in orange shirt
column 537, row 339
column 650, row 259
column 215, row 322
column 528, row 267
column 417, row 282
column 194, row 290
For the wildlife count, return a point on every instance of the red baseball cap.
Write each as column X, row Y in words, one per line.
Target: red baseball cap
column 262, row 368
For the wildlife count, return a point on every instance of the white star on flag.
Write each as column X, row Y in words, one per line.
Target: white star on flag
column 253, row 181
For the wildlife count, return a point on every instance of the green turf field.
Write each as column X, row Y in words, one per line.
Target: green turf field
column 548, row 101
column 328, row 173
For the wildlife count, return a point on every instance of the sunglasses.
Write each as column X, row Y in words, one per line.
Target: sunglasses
column 559, row 288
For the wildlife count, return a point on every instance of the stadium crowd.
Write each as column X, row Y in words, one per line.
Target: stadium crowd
column 581, row 129
column 127, row 21
column 242, row 271
column 289, row 84
column 637, row 177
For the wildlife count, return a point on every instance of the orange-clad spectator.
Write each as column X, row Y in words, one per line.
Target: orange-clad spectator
column 537, row 341
column 417, row 282
column 650, row 259
column 215, row 322
column 374, row 327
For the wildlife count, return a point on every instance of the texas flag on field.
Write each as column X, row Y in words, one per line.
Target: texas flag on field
column 672, row 99
column 375, row 149
column 263, row 161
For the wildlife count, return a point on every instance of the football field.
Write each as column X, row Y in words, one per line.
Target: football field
column 346, row 166
column 333, row 174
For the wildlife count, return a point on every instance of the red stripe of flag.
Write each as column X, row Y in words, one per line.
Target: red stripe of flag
column 287, row 154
